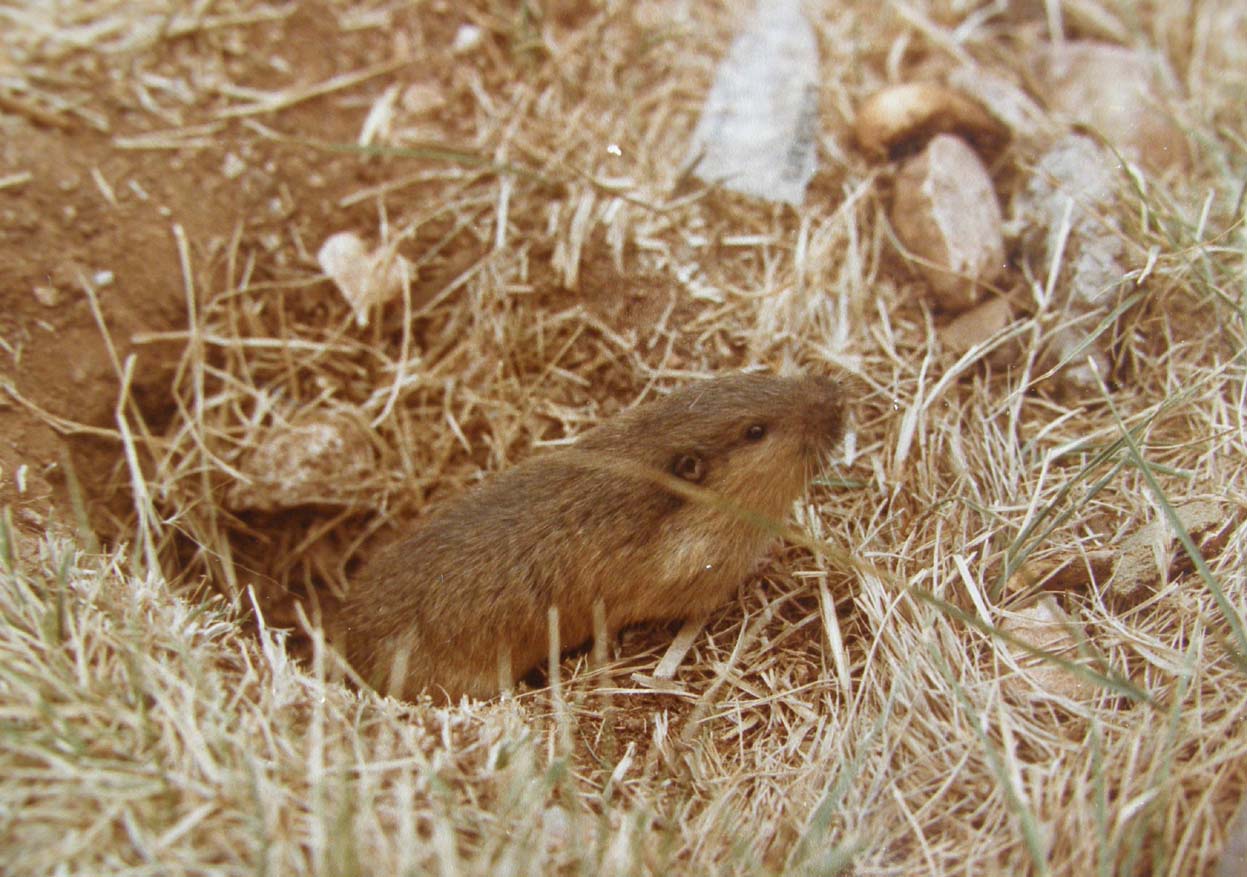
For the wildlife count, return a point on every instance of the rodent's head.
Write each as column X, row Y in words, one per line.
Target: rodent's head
column 755, row 439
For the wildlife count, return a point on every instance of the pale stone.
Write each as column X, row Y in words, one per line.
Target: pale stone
column 980, row 324
column 1045, row 627
column 945, row 212
column 1119, row 93
column 1146, row 554
column 901, row 118
column 365, row 279
column 1068, row 203
column 758, row 128
column 321, row 458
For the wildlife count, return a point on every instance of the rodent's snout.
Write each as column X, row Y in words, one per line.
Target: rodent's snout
column 825, row 410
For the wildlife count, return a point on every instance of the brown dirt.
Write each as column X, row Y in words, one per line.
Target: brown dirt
column 60, row 229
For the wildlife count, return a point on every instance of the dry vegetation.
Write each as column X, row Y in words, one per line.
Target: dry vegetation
column 859, row 707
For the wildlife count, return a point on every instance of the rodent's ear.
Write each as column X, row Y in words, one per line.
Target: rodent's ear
column 690, row 467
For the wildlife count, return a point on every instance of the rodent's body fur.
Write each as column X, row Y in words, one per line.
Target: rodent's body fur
column 472, row 584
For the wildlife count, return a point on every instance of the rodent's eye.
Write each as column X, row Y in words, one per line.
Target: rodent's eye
column 690, row 467
column 756, row 432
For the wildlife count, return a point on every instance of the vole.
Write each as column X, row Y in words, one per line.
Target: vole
column 468, row 590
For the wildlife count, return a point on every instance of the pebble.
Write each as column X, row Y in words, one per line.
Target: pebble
column 1044, row 626
column 1074, row 182
column 902, row 118
column 364, row 278
column 1145, row 556
column 318, row 458
column 945, row 212
column 1118, row 92
column 980, row 324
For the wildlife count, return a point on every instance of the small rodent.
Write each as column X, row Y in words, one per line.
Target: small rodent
column 466, row 594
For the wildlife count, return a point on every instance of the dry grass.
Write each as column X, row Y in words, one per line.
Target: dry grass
column 863, row 710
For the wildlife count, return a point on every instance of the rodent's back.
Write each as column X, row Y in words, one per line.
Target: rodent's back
column 476, row 579
column 481, row 573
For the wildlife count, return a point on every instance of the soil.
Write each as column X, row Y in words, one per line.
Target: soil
column 94, row 210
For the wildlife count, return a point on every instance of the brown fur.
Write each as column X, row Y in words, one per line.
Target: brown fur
column 472, row 584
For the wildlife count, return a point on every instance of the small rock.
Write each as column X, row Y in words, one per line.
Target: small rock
column 467, row 38
column 978, row 325
column 757, row 130
column 323, row 457
column 1003, row 99
column 233, row 167
column 902, row 118
column 945, row 212
column 1074, row 182
column 103, row 278
column 48, row 296
column 365, row 279
column 1118, row 92
column 1147, row 554
column 1044, row 626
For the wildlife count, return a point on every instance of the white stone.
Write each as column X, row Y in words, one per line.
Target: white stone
column 1118, row 92
column 978, row 325
column 1068, row 204
column 945, row 212
column 364, row 278
column 233, row 167
column 1043, row 626
column 321, row 457
column 467, row 38
column 758, row 128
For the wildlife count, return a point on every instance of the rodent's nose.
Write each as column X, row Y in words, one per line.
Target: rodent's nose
column 828, row 408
